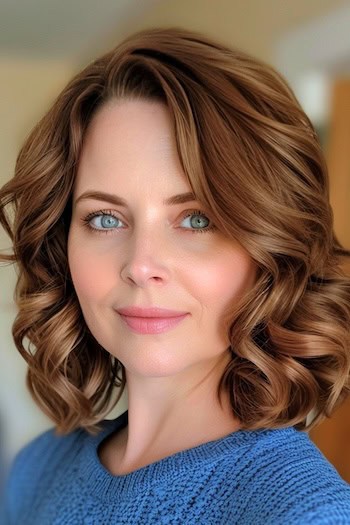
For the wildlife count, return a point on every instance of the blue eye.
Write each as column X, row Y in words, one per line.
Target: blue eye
column 107, row 222
column 197, row 218
column 104, row 221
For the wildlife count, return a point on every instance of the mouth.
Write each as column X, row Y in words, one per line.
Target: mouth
column 151, row 325
column 149, row 311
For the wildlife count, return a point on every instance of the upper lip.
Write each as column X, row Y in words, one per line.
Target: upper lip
column 153, row 311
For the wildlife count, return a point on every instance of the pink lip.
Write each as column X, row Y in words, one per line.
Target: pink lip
column 152, row 325
column 136, row 311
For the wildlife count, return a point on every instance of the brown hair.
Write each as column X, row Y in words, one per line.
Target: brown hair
column 251, row 156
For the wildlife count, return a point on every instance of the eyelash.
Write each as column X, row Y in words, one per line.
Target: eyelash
column 86, row 221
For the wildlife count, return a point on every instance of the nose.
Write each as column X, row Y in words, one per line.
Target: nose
column 145, row 261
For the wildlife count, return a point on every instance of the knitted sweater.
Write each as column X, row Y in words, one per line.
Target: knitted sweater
column 269, row 477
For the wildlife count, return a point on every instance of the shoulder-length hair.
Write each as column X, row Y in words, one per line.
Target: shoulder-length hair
column 252, row 157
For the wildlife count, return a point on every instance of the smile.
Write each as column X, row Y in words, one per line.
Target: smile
column 151, row 325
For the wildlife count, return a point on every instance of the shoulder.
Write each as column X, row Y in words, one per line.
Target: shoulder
column 33, row 465
column 47, row 448
column 292, row 481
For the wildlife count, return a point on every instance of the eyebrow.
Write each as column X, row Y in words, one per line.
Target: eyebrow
column 119, row 201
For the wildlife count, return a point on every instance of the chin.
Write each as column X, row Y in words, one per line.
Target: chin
column 155, row 366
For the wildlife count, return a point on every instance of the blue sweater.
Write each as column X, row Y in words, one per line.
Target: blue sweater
column 268, row 477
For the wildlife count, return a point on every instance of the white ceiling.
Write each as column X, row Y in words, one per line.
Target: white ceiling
column 62, row 29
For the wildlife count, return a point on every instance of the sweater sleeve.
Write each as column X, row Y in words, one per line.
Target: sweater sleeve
column 32, row 470
column 25, row 475
column 329, row 514
column 299, row 488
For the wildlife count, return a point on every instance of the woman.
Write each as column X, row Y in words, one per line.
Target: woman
column 174, row 236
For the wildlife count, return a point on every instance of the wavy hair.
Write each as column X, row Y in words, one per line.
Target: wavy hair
column 252, row 157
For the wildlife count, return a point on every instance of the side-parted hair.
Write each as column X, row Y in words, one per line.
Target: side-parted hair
column 252, row 157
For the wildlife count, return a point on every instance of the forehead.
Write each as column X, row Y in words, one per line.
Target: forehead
column 131, row 143
column 130, row 124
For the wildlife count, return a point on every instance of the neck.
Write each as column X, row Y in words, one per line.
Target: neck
column 167, row 415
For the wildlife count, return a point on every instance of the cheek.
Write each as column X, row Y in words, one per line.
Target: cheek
column 223, row 279
column 92, row 274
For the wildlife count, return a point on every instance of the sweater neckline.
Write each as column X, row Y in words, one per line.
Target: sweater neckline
column 105, row 485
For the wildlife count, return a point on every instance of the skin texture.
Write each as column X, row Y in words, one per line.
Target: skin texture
column 152, row 255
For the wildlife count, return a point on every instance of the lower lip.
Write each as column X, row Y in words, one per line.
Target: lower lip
column 152, row 325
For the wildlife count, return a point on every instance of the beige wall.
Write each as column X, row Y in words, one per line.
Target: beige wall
column 253, row 25
column 26, row 89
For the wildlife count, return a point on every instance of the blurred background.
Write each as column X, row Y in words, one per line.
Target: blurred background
column 44, row 42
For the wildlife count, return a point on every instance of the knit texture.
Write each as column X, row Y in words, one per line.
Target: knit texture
column 269, row 477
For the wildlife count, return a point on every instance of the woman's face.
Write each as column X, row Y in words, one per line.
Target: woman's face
column 148, row 252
